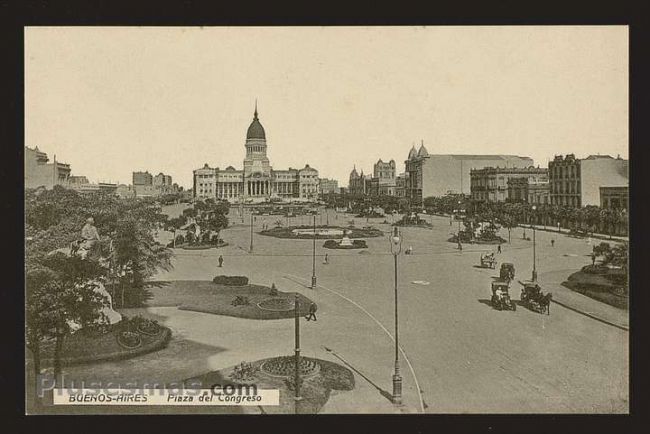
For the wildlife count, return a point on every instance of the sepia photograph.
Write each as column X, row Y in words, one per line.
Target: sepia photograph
column 326, row 220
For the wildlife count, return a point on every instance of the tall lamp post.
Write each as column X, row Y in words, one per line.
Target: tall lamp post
column 460, row 246
column 313, row 261
column 297, row 397
column 534, row 258
column 396, row 248
column 251, row 247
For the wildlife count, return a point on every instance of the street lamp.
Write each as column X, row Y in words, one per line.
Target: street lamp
column 251, row 248
column 297, row 397
column 534, row 259
column 313, row 262
column 396, row 248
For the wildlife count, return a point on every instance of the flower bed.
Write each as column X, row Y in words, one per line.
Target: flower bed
column 318, row 379
column 335, row 244
column 285, row 366
column 326, row 233
column 277, row 304
column 120, row 341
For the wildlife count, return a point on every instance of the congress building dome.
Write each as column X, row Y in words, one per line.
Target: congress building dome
column 255, row 130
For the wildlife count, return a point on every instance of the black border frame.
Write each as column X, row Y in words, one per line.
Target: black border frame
column 14, row 15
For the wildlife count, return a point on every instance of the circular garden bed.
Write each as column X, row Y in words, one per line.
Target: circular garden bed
column 335, row 244
column 285, row 366
column 277, row 304
column 322, row 232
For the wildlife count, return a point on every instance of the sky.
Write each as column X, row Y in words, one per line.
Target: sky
column 113, row 100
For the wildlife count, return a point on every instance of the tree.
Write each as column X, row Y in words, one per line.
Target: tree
column 60, row 294
column 508, row 222
column 136, row 257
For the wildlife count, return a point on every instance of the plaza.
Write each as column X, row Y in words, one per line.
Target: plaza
column 458, row 354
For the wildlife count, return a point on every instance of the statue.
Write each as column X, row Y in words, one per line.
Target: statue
column 89, row 236
column 345, row 241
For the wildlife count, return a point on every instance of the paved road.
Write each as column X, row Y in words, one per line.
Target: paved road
column 467, row 357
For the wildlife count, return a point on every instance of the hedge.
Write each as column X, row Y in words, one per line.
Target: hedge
column 231, row 280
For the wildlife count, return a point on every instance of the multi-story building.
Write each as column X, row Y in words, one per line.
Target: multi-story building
column 439, row 175
column 81, row 185
column 615, row 197
column 491, row 184
column 576, row 182
column 147, row 185
column 522, row 189
column 400, row 185
column 329, row 186
column 358, row 183
column 258, row 181
column 142, row 178
column 383, row 182
column 40, row 173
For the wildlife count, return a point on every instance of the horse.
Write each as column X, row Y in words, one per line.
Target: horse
column 545, row 303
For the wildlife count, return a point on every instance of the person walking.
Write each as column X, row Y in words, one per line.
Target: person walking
column 326, row 260
column 552, row 242
column 499, row 249
column 220, row 261
column 593, row 259
column 312, row 312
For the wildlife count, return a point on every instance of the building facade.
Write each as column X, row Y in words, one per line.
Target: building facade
column 147, row 185
column 491, row 184
column 576, row 182
column 614, row 197
column 383, row 182
column 439, row 175
column 400, row 185
column 329, row 186
column 358, row 183
column 40, row 173
column 258, row 181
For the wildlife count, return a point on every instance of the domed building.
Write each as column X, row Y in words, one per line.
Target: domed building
column 257, row 182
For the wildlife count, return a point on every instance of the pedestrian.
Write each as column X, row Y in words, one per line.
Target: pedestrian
column 552, row 242
column 499, row 249
column 593, row 259
column 220, row 261
column 460, row 246
column 326, row 261
column 312, row 312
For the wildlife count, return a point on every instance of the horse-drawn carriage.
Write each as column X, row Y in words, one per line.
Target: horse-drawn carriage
column 533, row 297
column 507, row 271
column 501, row 296
column 488, row 261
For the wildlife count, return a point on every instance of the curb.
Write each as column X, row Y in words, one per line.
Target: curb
column 618, row 326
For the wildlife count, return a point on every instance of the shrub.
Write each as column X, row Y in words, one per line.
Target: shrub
column 231, row 280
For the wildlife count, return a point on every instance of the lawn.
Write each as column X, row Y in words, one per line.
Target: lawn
column 208, row 297
column 600, row 286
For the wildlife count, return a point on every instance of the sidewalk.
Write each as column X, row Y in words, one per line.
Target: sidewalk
column 581, row 303
column 566, row 232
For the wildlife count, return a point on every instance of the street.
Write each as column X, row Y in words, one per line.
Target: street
column 465, row 356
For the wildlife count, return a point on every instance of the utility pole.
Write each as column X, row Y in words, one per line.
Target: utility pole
column 313, row 261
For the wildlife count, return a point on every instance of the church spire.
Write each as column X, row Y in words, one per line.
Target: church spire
column 255, row 115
